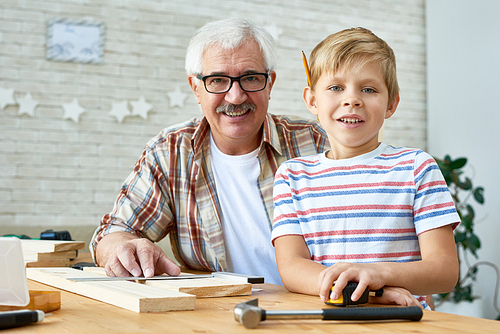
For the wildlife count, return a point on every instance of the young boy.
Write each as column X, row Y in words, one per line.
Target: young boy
column 363, row 211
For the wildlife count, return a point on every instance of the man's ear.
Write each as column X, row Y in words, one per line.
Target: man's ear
column 194, row 83
column 270, row 82
column 391, row 109
column 310, row 100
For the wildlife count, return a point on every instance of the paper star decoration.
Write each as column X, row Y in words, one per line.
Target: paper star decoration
column 73, row 111
column 177, row 97
column 27, row 104
column 6, row 98
column 275, row 31
column 140, row 108
column 120, row 110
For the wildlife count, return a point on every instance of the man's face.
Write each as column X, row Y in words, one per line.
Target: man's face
column 238, row 131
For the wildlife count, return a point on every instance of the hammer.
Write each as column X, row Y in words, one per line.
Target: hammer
column 249, row 314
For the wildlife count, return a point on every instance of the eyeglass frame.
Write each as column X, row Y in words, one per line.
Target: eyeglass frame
column 233, row 79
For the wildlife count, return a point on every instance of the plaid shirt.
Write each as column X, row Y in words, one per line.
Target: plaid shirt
column 172, row 188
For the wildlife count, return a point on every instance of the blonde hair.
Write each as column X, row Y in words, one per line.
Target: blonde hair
column 352, row 48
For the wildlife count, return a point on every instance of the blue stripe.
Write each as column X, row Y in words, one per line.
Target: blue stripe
column 354, row 192
column 396, row 156
column 329, row 263
column 432, row 191
column 425, row 171
column 303, row 163
column 434, row 214
column 354, row 215
column 359, row 239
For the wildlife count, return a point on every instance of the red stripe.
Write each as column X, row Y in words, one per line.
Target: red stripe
column 434, row 207
column 358, row 232
column 354, row 186
column 347, row 168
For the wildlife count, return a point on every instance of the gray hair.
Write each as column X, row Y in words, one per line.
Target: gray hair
column 229, row 34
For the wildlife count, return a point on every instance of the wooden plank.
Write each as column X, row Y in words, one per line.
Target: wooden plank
column 47, row 246
column 48, row 263
column 34, row 256
column 205, row 287
column 46, row 301
column 200, row 287
column 125, row 294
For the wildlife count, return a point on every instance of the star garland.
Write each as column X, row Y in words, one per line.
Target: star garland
column 72, row 111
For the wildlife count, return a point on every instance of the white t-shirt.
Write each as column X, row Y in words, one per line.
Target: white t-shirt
column 246, row 229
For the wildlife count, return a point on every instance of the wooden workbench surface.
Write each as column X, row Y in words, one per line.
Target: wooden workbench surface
column 215, row 315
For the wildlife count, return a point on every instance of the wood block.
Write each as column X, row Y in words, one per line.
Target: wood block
column 48, row 263
column 47, row 246
column 205, row 287
column 46, row 301
column 32, row 256
column 125, row 294
column 200, row 287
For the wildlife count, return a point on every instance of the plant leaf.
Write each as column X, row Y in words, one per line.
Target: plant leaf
column 478, row 195
column 466, row 185
column 458, row 163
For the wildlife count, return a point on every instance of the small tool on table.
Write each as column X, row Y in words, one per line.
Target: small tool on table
column 345, row 298
column 249, row 314
column 10, row 319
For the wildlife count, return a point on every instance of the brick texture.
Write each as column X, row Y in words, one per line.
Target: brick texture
column 57, row 173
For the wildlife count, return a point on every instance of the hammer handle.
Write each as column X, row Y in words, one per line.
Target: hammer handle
column 413, row 313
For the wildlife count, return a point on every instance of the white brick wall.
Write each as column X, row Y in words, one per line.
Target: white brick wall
column 56, row 173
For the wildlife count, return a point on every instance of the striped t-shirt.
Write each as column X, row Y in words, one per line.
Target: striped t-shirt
column 369, row 208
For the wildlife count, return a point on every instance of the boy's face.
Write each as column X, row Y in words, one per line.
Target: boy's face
column 351, row 106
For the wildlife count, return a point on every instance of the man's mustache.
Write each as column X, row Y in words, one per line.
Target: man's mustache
column 228, row 108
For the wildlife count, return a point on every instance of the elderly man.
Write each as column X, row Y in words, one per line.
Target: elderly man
column 208, row 183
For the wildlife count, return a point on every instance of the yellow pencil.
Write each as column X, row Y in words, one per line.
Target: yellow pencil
column 306, row 68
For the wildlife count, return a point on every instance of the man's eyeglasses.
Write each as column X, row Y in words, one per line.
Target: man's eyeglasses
column 219, row 84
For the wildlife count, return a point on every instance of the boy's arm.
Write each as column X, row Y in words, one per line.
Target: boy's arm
column 437, row 272
column 298, row 272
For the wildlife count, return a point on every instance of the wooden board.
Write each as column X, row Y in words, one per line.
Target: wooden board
column 47, row 263
column 50, row 253
column 46, row 246
column 34, row 256
column 125, row 294
column 200, row 287
column 46, row 301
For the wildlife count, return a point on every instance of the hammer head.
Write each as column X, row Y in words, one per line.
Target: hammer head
column 248, row 313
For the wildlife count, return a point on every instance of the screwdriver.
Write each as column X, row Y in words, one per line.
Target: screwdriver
column 10, row 319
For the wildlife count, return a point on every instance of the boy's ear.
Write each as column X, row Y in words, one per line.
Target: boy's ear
column 310, row 100
column 391, row 108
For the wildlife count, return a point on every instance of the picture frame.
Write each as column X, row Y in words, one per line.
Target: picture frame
column 75, row 40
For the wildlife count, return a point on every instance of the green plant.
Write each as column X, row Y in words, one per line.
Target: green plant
column 467, row 242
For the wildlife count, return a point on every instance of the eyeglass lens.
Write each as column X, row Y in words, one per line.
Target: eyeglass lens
column 249, row 83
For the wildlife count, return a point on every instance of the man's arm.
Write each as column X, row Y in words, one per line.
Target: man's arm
column 123, row 254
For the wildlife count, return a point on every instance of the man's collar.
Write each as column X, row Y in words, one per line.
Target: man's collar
column 269, row 134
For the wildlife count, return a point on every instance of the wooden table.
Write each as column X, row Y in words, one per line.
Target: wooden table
column 215, row 315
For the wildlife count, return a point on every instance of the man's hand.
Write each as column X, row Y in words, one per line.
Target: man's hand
column 124, row 254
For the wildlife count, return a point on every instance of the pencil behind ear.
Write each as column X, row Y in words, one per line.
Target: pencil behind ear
column 310, row 100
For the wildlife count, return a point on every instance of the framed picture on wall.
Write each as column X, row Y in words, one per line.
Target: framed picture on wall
column 71, row 40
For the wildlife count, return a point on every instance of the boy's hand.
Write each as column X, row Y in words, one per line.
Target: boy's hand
column 396, row 296
column 366, row 274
